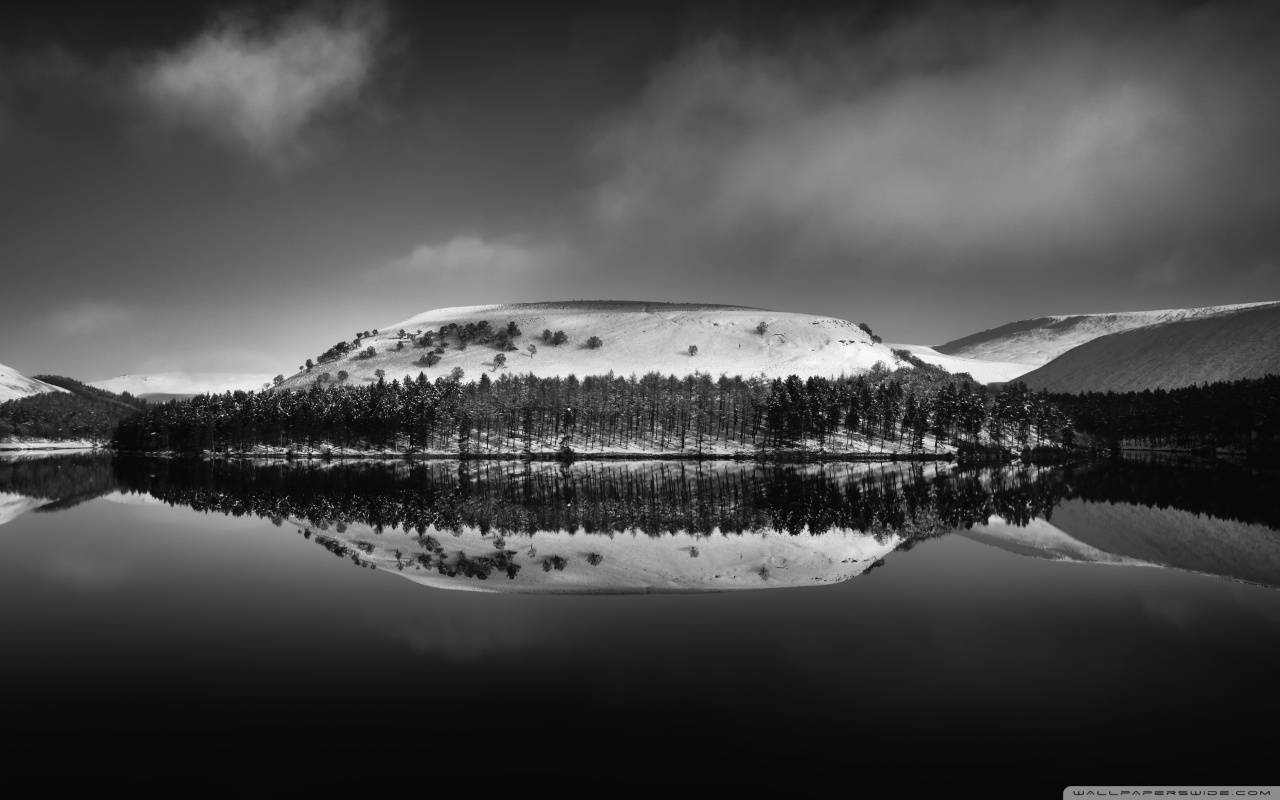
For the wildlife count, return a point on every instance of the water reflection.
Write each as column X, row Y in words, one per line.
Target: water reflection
column 607, row 527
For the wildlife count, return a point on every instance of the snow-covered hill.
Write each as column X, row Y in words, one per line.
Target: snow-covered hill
column 637, row 338
column 182, row 383
column 981, row 371
column 1035, row 342
column 14, row 384
column 1183, row 352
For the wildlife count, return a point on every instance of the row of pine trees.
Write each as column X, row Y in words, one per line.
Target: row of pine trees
column 1242, row 415
column 878, row 411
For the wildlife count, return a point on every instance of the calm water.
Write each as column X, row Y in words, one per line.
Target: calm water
column 723, row 624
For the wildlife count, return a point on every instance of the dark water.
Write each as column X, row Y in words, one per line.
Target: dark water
column 837, row 626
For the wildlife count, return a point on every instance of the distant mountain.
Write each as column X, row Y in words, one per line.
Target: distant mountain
column 1244, row 343
column 167, row 385
column 14, row 385
column 635, row 337
column 1036, row 342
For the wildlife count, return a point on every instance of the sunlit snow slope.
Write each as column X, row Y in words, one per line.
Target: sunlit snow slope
column 14, row 384
column 981, row 371
column 637, row 337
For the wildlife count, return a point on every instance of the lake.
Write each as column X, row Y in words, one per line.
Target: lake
column 718, row 623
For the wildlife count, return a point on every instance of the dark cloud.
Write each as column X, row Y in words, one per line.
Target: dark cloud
column 1012, row 139
column 930, row 169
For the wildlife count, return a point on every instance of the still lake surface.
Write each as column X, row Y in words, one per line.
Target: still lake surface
column 716, row 623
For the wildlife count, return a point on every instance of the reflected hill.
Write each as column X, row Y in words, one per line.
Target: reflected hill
column 1211, row 519
column 601, row 527
column 604, row 527
column 51, row 482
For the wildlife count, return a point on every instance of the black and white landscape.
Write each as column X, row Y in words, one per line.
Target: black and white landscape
column 841, row 396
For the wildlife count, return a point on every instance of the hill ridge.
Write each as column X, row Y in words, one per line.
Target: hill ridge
column 602, row 336
column 1036, row 341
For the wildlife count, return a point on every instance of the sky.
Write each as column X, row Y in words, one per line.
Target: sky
column 233, row 187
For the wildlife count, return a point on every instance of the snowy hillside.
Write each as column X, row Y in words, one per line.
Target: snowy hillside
column 14, row 384
column 1035, row 342
column 182, row 383
column 634, row 338
column 981, row 371
column 1186, row 352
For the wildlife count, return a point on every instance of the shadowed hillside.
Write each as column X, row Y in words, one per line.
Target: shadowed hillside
column 1239, row 345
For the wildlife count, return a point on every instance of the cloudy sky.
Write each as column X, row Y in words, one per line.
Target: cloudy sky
column 235, row 187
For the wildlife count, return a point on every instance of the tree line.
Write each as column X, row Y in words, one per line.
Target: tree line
column 656, row 499
column 82, row 412
column 907, row 411
column 1242, row 415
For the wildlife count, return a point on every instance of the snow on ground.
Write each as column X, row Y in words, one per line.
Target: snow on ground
column 1035, row 342
column 631, row 562
column 14, row 384
column 31, row 444
column 638, row 338
column 183, row 383
column 853, row 447
column 978, row 369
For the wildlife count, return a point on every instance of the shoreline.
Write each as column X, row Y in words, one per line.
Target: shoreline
column 767, row 456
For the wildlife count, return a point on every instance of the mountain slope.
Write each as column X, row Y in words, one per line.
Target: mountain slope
column 182, row 384
column 981, row 371
column 636, row 338
column 1187, row 352
column 14, row 385
column 1036, row 342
